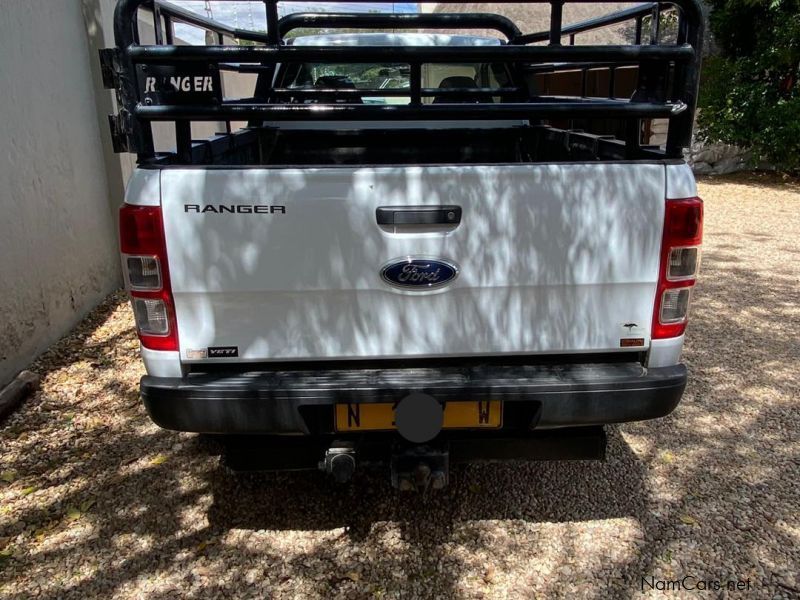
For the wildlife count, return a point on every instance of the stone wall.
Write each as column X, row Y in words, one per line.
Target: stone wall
column 717, row 159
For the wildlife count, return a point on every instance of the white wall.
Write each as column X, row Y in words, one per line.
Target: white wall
column 58, row 248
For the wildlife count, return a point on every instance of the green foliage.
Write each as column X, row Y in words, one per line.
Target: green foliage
column 667, row 28
column 750, row 93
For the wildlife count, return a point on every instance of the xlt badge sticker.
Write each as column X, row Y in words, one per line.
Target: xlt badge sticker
column 223, row 352
column 632, row 335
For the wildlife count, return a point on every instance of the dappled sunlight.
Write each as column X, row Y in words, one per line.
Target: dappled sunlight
column 573, row 259
column 96, row 501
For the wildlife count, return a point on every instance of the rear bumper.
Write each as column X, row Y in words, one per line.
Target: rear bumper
column 301, row 402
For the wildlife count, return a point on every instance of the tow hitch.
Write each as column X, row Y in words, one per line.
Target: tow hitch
column 420, row 468
column 413, row 467
column 340, row 461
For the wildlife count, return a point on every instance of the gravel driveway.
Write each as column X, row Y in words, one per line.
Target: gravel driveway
column 99, row 502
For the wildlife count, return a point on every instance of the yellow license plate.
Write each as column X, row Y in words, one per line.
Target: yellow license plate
column 457, row 415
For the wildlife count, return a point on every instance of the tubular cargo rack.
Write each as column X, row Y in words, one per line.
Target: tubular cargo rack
column 665, row 86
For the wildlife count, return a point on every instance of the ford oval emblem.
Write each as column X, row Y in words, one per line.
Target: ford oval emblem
column 419, row 273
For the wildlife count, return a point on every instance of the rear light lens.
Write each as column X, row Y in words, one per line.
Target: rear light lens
column 151, row 316
column 141, row 230
column 675, row 305
column 683, row 263
column 147, row 276
column 680, row 261
column 143, row 272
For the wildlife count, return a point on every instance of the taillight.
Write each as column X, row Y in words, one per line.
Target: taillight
column 680, row 261
column 144, row 264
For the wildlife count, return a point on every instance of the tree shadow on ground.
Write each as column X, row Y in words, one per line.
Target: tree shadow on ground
column 430, row 526
column 119, row 504
column 122, row 508
column 312, row 501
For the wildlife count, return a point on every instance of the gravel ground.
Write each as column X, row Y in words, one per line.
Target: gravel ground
column 99, row 502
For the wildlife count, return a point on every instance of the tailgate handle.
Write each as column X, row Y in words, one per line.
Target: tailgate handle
column 419, row 215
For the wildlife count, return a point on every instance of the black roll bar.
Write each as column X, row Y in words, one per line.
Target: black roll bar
column 668, row 73
column 596, row 23
column 177, row 13
column 498, row 23
column 407, row 54
column 349, row 112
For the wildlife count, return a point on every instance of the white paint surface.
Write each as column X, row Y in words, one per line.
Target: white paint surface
column 680, row 182
column 553, row 259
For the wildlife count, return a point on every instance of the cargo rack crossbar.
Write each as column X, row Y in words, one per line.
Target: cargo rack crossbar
column 666, row 88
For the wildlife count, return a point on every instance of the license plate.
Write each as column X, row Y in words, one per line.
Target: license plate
column 457, row 415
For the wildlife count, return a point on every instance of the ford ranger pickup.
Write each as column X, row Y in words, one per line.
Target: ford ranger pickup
column 436, row 239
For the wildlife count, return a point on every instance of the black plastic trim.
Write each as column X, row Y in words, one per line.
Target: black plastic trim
column 418, row 215
column 157, row 164
column 374, row 451
column 286, row 401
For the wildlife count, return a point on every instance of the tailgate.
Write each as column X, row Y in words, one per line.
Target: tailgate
column 286, row 264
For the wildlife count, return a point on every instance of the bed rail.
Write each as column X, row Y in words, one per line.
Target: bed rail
column 464, row 21
column 667, row 80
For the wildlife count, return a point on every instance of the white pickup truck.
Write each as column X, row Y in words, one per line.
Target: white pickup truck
column 421, row 248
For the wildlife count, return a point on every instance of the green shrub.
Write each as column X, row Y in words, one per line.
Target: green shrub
column 750, row 93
